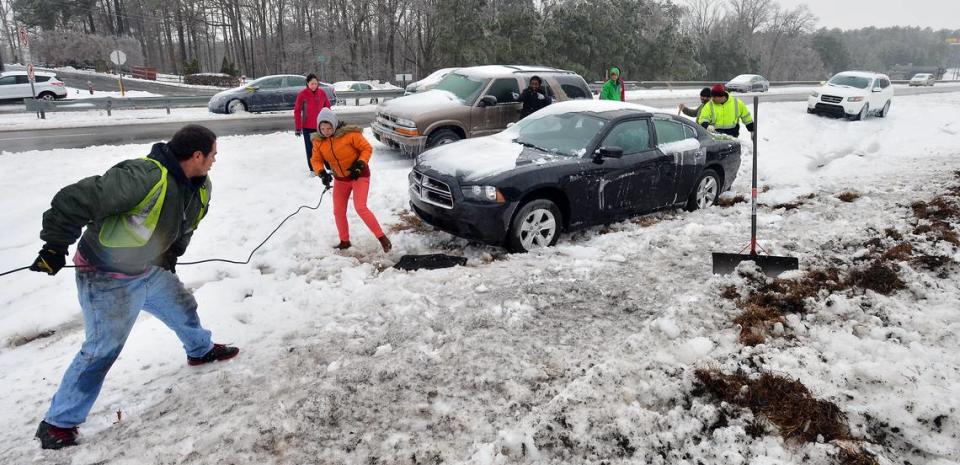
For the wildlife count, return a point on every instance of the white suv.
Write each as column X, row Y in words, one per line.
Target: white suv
column 854, row 94
column 14, row 85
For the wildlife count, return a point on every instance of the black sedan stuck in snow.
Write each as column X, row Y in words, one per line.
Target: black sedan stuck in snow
column 568, row 166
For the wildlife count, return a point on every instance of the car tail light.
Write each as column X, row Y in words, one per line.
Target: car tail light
column 57, row 83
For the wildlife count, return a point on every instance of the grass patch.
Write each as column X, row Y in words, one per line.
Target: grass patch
column 729, row 201
column 848, row 196
column 880, row 277
column 784, row 402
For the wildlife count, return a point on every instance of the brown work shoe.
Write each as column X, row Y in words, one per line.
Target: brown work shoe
column 385, row 243
column 343, row 245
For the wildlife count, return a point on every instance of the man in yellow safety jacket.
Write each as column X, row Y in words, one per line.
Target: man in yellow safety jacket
column 725, row 113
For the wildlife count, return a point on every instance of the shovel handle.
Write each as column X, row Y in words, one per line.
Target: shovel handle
column 753, row 190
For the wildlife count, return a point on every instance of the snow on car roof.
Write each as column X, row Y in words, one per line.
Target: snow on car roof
column 595, row 106
column 499, row 70
column 864, row 74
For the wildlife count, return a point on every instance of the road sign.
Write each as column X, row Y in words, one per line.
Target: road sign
column 118, row 57
column 22, row 33
column 322, row 58
column 30, row 72
column 404, row 77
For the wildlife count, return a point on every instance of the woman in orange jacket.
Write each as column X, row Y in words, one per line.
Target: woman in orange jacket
column 346, row 152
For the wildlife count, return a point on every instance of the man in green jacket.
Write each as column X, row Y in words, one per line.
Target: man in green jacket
column 725, row 113
column 139, row 217
column 695, row 112
column 613, row 88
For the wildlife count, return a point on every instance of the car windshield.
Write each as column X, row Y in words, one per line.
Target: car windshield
column 849, row 81
column 921, row 76
column 465, row 88
column 566, row 134
column 742, row 79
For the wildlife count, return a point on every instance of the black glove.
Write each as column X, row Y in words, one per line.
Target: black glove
column 705, row 124
column 326, row 178
column 356, row 169
column 169, row 262
column 297, row 133
column 751, row 126
column 50, row 260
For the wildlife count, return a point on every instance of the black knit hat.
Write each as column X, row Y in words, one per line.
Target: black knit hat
column 705, row 92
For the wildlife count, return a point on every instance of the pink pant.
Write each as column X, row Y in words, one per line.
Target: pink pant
column 341, row 193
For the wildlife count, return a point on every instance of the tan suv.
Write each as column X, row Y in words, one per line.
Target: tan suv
column 468, row 102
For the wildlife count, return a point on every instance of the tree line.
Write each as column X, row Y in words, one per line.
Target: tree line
column 376, row 39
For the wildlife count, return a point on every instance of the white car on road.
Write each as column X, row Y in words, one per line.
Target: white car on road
column 922, row 79
column 853, row 94
column 14, row 85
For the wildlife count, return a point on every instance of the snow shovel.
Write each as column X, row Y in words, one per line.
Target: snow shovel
column 771, row 265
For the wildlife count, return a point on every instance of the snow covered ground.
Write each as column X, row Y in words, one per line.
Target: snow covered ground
column 582, row 353
column 83, row 94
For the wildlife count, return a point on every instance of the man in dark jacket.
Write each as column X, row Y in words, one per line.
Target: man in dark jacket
column 534, row 97
column 704, row 98
column 139, row 217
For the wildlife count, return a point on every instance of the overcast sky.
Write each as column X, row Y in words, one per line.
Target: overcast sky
column 853, row 14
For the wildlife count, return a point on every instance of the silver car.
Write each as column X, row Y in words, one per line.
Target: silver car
column 922, row 79
column 748, row 83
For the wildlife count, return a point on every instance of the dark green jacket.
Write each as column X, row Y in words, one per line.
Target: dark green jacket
column 93, row 201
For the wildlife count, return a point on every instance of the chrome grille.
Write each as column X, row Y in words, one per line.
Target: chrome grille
column 832, row 99
column 430, row 190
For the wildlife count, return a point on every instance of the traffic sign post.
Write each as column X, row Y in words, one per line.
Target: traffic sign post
column 118, row 58
column 322, row 59
column 25, row 42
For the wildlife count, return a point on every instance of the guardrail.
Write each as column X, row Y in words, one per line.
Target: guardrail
column 374, row 95
column 112, row 103
column 139, row 103
column 637, row 85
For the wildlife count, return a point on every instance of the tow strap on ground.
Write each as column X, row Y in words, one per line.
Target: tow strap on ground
column 429, row 262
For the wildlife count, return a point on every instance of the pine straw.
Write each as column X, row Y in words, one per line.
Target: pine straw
column 408, row 222
column 784, row 402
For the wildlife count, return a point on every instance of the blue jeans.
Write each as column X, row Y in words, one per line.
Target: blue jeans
column 308, row 145
column 110, row 308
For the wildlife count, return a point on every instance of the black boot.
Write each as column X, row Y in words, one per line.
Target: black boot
column 55, row 437
column 219, row 352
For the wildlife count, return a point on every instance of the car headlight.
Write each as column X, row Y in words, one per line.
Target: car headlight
column 855, row 99
column 406, row 123
column 815, row 94
column 482, row 194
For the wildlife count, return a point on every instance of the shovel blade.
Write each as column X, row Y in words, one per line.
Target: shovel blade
column 772, row 265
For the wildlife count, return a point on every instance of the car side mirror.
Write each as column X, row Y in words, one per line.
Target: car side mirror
column 488, row 101
column 610, row 151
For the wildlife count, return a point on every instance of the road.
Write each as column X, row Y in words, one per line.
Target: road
column 48, row 139
column 110, row 84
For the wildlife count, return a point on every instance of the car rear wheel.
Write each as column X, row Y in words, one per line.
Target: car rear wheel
column 705, row 191
column 442, row 137
column 886, row 110
column 47, row 96
column 536, row 225
column 236, row 106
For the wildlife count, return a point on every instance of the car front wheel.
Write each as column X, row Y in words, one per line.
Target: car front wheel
column 705, row 191
column 442, row 137
column 536, row 225
column 864, row 112
column 236, row 106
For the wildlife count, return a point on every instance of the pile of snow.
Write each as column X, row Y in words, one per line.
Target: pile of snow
column 82, row 94
column 582, row 353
